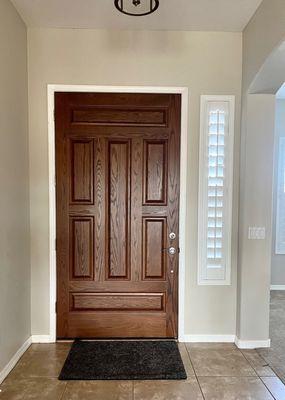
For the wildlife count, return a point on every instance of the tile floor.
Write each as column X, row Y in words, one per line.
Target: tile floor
column 275, row 356
column 215, row 372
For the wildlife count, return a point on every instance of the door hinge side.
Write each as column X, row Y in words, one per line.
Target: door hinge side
column 56, row 307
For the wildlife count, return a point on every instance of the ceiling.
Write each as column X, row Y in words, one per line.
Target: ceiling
column 202, row 15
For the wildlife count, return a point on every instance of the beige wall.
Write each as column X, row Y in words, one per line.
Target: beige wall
column 256, row 211
column 261, row 37
column 277, row 260
column 15, row 322
column 207, row 63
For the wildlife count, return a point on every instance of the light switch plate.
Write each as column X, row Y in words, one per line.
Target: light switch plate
column 256, row 233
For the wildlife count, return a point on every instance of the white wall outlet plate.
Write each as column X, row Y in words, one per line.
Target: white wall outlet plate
column 256, row 233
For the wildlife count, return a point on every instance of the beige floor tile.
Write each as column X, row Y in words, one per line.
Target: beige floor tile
column 168, row 390
column 186, row 360
column 280, row 371
column 235, row 388
column 32, row 389
column 275, row 355
column 98, row 390
column 12, row 390
column 209, row 362
column 211, row 346
column 53, row 348
column 39, row 364
column 260, row 366
column 276, row 387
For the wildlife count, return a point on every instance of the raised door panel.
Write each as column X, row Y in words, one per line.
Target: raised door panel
column 118, row 209
column 117, row 301
column 155, row 172
column 154, row 245
column 117, row 324
column 119, row 116
column 82, row 171
column 82, row 248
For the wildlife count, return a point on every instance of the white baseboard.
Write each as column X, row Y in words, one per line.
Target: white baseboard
column 277, row 287
column 252, row 344
column 241, row 344
column 16, row 357
column 42, row 339
column 209, row 338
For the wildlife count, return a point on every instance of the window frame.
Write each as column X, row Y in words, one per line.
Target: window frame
column 203, row 191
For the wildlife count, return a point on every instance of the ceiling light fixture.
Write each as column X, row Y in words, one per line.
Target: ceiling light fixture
column 137, row 8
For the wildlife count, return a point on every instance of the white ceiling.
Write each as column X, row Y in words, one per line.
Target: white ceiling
column 208, row 15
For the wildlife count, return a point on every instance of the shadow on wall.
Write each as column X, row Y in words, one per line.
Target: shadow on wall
column 271, row 76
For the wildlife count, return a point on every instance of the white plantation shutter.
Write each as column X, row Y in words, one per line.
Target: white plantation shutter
column 215, row 191
column 280, row 213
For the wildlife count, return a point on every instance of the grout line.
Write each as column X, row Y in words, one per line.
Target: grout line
column 233, row 376
column 250, row 364
column 63, row 393
column 133, row 390
column 194, row 372
column 259, row 377
column 273, row 369
column 268, row 389
column 267, row 365
column 225, row 376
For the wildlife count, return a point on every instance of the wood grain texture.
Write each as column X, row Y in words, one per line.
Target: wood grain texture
column 147, row 324
column 155, row 172
column 81, row 247
column 117, row 193
column 100, row 218
column 136, row 209
column 117, row 301
column 154, row 241
column 82, row 178
column 172, row 209
column 119, row 116
column 118, row 210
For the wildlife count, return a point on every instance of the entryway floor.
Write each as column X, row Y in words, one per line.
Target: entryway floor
column 215, row 371
column 275, row 355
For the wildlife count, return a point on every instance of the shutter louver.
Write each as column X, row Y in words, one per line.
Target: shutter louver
column 215, row 198
column 216, row 155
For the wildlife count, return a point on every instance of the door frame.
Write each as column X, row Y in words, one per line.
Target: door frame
column 183, row 91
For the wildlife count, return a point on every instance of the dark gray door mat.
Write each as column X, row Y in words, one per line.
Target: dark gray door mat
column 123, row 360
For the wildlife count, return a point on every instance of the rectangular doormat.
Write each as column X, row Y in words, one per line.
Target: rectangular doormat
column 123, row 360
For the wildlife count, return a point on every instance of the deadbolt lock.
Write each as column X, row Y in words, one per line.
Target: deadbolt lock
column 172, row 236
column 171, row 250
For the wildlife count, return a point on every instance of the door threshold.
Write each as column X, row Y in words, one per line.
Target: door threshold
column 115, row 339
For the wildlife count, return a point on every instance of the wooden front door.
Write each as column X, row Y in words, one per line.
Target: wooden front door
column 117, row 196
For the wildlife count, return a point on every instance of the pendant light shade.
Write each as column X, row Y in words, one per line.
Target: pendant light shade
column 137, row 8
